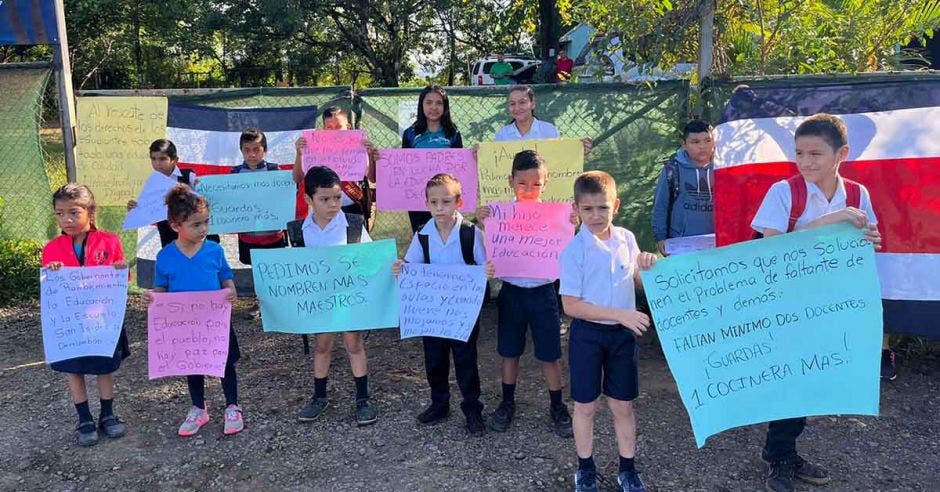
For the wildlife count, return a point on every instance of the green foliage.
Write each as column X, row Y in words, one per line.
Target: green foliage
column 20, row 261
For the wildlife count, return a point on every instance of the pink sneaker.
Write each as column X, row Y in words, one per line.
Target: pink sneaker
column 233, row 420
column 195, row 419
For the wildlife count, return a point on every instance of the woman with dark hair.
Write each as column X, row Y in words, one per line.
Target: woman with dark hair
column 433, row 129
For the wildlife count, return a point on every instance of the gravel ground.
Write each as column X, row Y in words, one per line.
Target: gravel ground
column 898, row 451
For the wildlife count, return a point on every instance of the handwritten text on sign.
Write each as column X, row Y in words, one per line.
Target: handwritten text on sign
column 249, row 202
column 440, row 300
column 343, row 151
column 564, row 158
column 401, row 175
column 187, row 333
column 151, row 204
column 525, row 239
column 82, row 311
column 113, row 136
column 318, row 290
column 782, row 327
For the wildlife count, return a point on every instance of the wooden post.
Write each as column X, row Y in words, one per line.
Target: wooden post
column 706, row 40
column 63, row 75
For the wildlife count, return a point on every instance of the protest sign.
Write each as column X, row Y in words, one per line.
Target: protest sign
column 113, row 137
column 82, row 311
column 782, row 327
column 440, row 300
column 188, row 333
column 151, row 204
column 342, row 151
column 319, row 290
column 401, row 175
column 689, row 244
column 249, row 202
column 564, row 158
column 525, row 239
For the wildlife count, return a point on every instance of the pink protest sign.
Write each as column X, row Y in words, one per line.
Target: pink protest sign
column 343, row 151
column 187, row 333
column 525, row 239
column 401, row 174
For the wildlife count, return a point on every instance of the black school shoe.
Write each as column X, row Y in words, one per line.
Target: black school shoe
column 475, row 423
column 561, row 421
column 86, row 434
column 803, row 470
column 435, row 413
column 111, row 426
column 502, row 416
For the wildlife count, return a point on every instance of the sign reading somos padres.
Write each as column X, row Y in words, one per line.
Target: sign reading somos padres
column 249, row 202
column 401, row 175
column 82, row 311
column 319, row 290
column 440, row 300
column 781, row 327
column 187, row 333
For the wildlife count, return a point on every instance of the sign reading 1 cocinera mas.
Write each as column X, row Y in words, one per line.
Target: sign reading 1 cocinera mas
column 317, row 290
column 781, row 327
column 249, row 202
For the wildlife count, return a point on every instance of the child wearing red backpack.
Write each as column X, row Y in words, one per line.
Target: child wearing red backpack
column 816, row 197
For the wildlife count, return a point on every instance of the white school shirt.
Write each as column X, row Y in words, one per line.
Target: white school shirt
column 774, row 211
column 601, row 272
column 539, row 130
column 446, row 253
column 334, row 234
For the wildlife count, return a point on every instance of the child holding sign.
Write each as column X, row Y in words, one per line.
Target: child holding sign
column 82, row 244
column 433, row 129
column 448, row 239
column 818, row 196
column 599, row 272
column 326, row 226
column 192, row 264
column 254, row 145
column 525, row 303
column 164, row 159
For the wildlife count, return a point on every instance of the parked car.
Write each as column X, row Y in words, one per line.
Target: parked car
column 524, row 68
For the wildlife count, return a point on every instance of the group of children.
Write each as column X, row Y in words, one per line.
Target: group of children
column 597, row 289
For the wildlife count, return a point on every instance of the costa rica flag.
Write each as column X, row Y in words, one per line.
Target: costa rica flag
column 894, row 143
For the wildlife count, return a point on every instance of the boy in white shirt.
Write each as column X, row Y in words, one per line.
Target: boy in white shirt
column 599, row 271
column 328, row 226
column 818, row 196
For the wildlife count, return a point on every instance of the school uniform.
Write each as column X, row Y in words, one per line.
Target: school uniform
column 205, row 271
column 602, row 355
column 437, row 350
column 528, row 303
column 334, row 234
column 167, row 234
column 774, row 213
column 248, row 241
column 539, row 130
column 99, row 248
column 411, row 139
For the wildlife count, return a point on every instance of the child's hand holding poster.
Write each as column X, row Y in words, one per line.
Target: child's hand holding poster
column 440, row 300
column 786, row 326
column 525, row 239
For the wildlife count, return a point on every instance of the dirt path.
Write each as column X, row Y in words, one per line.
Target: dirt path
column 898, row 451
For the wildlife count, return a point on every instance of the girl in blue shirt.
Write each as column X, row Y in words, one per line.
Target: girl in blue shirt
column 192, row 264
column 433, row 129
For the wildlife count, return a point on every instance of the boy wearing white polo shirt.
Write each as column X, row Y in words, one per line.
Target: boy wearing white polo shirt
column 599, row 271
column 818, row 196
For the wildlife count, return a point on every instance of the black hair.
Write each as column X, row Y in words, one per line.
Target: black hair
column 527, row 159
column 319, row 177
column 82, row 196
column 182, row 202
column 826, row 126
column 421, row 124
column 253, row 135
column 164, row 146
column 334, row 111
column 696, row 126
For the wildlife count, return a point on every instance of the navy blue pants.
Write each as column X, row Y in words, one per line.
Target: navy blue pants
column 781, row 438
column 437, row 353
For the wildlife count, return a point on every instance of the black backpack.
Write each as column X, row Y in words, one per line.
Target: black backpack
column 467, row 236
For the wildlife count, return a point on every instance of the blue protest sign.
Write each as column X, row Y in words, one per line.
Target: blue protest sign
column 781, row 327
column 440, row 300
column 249, row 202
column 319, row 290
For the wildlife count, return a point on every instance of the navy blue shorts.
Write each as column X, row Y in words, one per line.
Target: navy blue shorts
column 521, row 308
column 602, row 358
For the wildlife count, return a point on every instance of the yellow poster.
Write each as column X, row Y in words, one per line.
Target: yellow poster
column 113, row 136
column 563, row 156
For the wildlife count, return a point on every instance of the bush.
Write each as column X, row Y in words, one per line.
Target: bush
column 20, row 261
